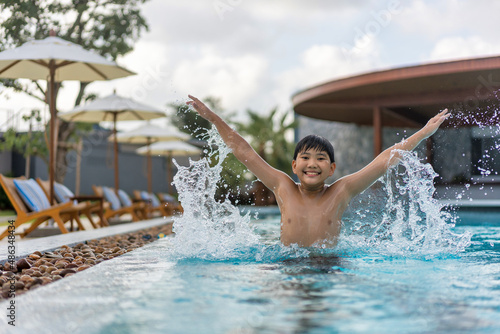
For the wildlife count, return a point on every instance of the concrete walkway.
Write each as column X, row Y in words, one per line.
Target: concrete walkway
column 24, row 247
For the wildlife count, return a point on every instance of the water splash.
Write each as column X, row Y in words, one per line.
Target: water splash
column 208, row 228
column 215, row 230
column 399, row 216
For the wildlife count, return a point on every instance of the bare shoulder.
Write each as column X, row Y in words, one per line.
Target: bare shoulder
column 274, row 179
column 339, row 190
column 339, row 184
column 285, row 182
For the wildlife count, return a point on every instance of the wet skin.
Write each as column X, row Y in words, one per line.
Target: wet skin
column 308, row 214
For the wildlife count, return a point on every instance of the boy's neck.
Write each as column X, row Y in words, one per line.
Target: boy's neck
column 311, row 191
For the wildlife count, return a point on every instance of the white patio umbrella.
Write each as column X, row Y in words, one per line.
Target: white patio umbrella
column 112, row 108
column 169, row 149
column 154, row 133
column 56, row 60
column 148, row 134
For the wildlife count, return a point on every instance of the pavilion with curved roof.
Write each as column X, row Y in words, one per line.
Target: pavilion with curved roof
column 407, row 96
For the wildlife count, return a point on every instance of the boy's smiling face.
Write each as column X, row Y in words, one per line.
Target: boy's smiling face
column 313, row 167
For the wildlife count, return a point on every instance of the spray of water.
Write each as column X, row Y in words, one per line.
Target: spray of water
column 212, row 229
column 399, row 216
column 208, row 228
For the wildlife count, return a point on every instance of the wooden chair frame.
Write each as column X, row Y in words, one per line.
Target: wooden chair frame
column 136, row 210
column 174, row 207
column 84, row 205
column 164, row 209
column 60, row 213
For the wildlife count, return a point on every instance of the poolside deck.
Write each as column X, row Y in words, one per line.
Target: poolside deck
column 26, row 246
column 481, row 195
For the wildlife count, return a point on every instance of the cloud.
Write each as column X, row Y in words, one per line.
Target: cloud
column 301, row 11
column 460, row 47
column 322, row 63
column 197, row 22
column 144, row 55
column 261, row 52
column 253, row 37
column 434, row 20
column 234, row 79
column 429, row 20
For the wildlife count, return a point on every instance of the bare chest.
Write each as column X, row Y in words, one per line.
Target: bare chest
column 305, row 221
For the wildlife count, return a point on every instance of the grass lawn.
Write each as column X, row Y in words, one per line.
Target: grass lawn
column 7, row 213
column 4, row 214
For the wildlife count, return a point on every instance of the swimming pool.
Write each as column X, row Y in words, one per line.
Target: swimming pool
column 401, row 266
column 274, row 289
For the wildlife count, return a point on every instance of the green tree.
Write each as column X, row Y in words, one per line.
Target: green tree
column 109, row 28
column 188, row 120
column 268, row 136
column 30, row 143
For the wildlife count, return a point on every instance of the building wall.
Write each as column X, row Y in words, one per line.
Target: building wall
column 353, row 146
column 5, row 162
column 452, row 154
column 97, row 166
column 353, row 150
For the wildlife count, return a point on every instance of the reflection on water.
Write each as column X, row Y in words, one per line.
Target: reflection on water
column 310, row 281
column 313, row 264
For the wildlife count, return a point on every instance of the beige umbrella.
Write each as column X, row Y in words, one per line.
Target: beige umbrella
column 55, row 60
column 169, row 149
column 148, row 134
column 112, row 108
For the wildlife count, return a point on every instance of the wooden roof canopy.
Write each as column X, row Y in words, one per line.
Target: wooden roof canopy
column 408, row 96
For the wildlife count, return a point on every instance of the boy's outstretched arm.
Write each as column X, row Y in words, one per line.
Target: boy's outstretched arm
column 242, row 150
column 359, row 181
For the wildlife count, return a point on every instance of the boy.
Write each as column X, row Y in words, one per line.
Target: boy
column 311, row 211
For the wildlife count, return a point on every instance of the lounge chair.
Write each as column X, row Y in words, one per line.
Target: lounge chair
column 170, row 202
column 116, row 208
column 141, row 204
column 153, row 204
column 32, row 205
column 82, row 203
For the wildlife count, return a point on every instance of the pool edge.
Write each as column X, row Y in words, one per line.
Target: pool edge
column 45, row 244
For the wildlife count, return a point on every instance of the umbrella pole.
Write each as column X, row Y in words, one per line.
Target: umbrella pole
column 166, row 171
column 78, row 166
column 117, row 184
column 150, row 167
column 52, row 142
column 169, row 171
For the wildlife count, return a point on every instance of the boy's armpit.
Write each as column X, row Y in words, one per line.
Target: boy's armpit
column 350, row 186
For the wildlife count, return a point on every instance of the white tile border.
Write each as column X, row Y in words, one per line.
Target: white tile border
column 479, row 203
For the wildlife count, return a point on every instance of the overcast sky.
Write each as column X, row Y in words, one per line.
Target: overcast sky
column 256, row 53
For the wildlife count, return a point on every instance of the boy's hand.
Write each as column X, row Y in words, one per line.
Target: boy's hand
column 201, row 108
column 433, row 124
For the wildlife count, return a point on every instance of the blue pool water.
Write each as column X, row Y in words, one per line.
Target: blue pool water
column 273, row 289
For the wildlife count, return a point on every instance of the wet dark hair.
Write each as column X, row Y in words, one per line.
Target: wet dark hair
column 316, row 143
